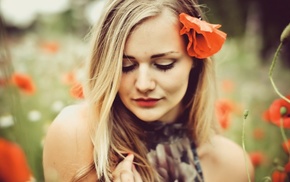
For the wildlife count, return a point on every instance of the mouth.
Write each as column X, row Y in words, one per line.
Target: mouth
column 146, row 102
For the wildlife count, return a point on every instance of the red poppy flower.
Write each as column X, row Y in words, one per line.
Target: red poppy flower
column 69, row 78
column 223, row 110
column 13, row 165
column 259, row 133
column 274, row 115
column 77, row 91
column 24, row 82
column 278, row 176
column 50, row 47
column 257, row 158
column 284, row 145
column 204, row 38
column 287, row 167
column 266, row 116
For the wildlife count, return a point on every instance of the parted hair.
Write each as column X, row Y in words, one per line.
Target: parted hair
column 112, row 128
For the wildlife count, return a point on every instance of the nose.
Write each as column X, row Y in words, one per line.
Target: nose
column 144, row 81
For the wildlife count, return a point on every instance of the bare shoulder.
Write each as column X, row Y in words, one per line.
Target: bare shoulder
column 67, row 146
column 224, row 160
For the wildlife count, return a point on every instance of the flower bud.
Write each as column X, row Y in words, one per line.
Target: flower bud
column 285, row 36
column 246, row 113
column 283, row 111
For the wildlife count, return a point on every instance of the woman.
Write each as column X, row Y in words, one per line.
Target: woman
column 149, row 110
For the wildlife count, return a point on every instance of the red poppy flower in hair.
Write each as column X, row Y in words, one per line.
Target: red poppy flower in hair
column 204, row 38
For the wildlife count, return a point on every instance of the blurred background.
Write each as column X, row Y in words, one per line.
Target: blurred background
column 43, row 46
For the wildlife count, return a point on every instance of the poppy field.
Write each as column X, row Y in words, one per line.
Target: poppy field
column 41, row 71
column 251, row 112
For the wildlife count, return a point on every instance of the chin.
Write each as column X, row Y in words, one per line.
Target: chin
column 147, row 119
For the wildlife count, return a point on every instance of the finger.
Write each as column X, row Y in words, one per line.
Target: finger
column 123, row 171
column 137, row 176
column 127, row 163
column 123, row 175
column 127, row 176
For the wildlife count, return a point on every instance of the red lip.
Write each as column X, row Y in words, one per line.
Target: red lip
column 146, row 102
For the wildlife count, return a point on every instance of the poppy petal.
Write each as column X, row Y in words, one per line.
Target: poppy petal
column 204, row 38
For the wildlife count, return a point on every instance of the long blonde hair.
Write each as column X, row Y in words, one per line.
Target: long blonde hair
column 113, row 130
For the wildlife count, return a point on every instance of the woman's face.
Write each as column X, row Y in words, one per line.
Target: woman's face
column 156, row 70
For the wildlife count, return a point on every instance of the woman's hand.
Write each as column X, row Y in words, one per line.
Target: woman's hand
column 126, row 171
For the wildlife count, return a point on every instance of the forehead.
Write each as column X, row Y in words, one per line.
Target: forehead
column 155, row 35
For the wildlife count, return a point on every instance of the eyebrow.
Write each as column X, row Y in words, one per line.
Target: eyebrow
column 153, row 56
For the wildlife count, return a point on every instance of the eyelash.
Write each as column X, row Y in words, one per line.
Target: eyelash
column 128, row 69
column 164, row 68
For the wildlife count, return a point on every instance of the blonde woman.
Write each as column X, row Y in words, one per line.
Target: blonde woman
column 150, row 96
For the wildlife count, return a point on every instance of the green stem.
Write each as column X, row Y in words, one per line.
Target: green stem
column 275, row 59
column 243, row 144
column 272, row 69
column 277, row 91
column 284, row 137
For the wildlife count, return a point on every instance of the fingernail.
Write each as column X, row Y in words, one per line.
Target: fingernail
column 130, row 156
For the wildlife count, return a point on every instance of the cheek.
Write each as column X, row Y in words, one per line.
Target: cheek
column 176, row 85
column 125, row 86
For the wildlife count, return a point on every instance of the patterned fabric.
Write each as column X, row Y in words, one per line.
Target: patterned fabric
column 172, row 153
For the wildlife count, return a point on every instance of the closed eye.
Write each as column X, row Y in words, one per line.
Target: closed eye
column 127, row 69
column 164, row 67
column 128, row 64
